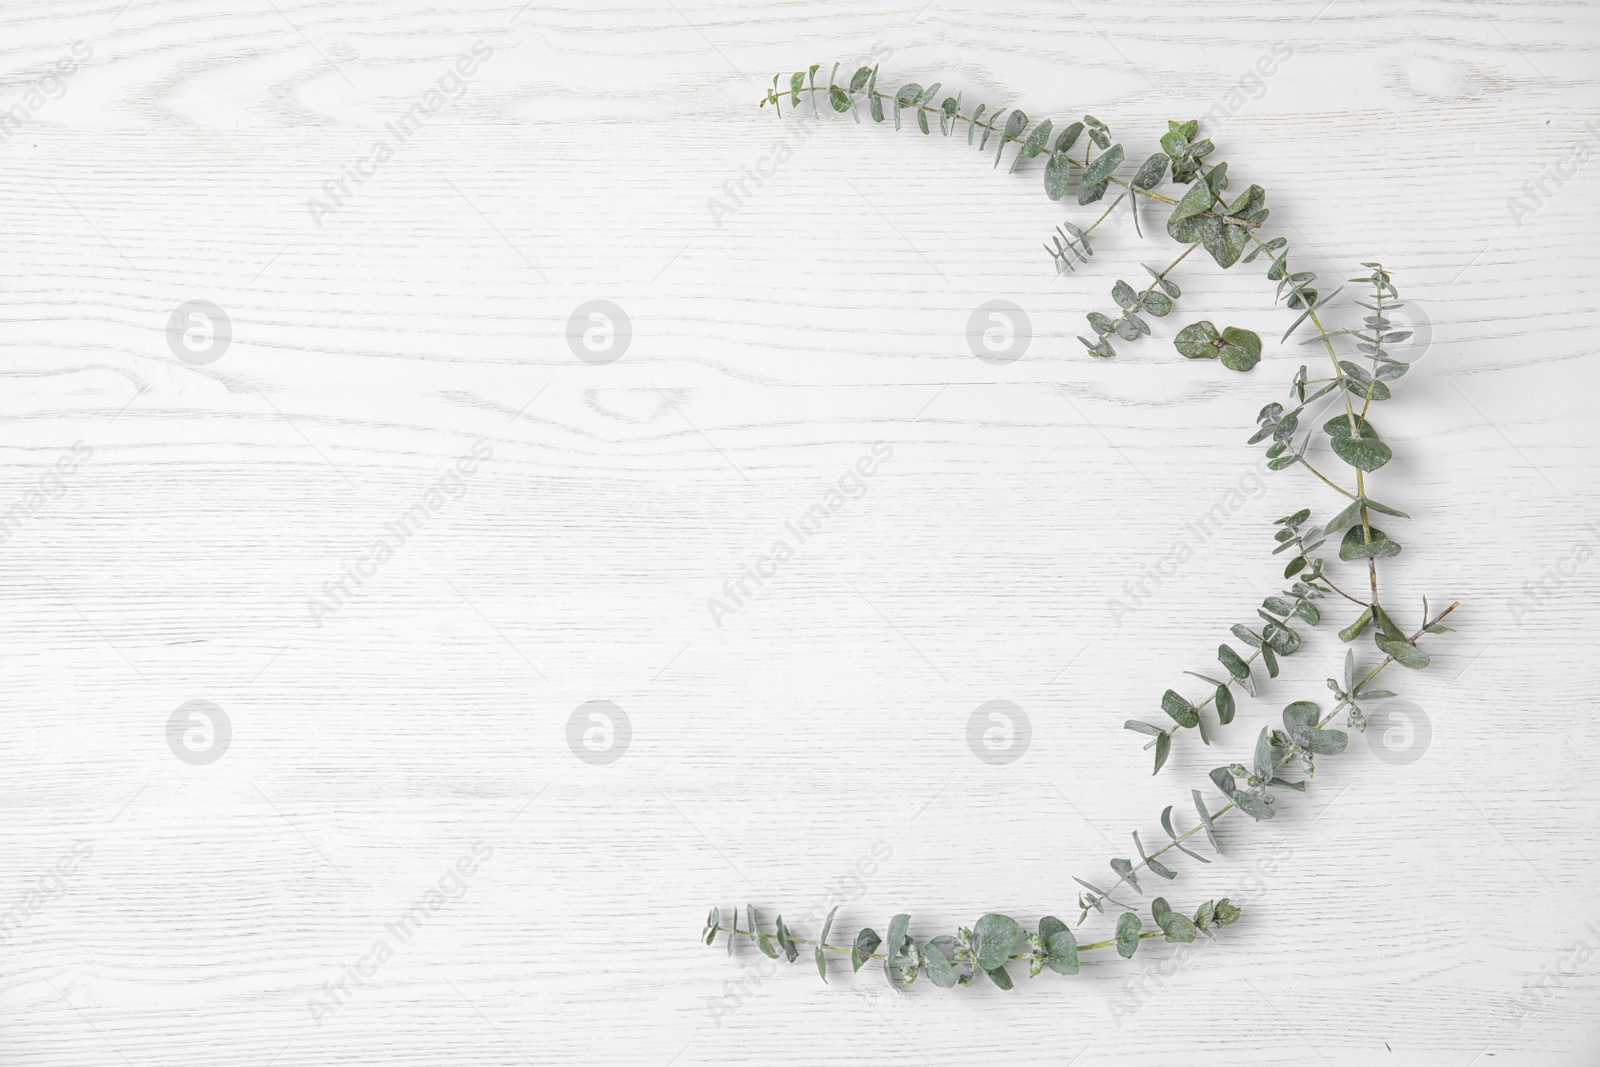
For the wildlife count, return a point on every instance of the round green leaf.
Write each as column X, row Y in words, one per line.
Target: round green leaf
column 1199, row 340
column 1129, row 927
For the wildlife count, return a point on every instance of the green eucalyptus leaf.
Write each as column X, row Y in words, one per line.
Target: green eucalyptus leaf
column 822, row 939
column 997, row 937
column 1166, row 821
column 1353, row 631
column 866, row 943
column 1089, row 194
column 908, row 96
column 1160, row 869
column 791, row 951
column 894, row 947
column 1361, row 449
column 1152, row 172
column 1205, row 815
column 1034, row 144
column 1363, row 453
column 1259, row 808
column 1124, row 869
column 1104, row 165
column 1224, row 241
column 1181, row 711
column 1230, row 659
column 1265, row 763
column 939, row 969
column 1351, row 513
column 1300, row 723
column 1198, row 340
column 1355, row 545
column 1057, row 175
column 1283, row 640
column 1225, row 705
column 1385, row 508
column 1176, row 926
column 1015, row 124
column 1063, row 946
column 1279, row 606
column 1403, row 652
column 1194, row 203
column 1129, row 927
column 1241, row 349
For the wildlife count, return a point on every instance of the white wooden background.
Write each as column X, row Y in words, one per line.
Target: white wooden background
column 1396, row 914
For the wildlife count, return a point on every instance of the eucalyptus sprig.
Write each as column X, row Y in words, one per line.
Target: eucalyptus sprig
column 1277, row 637
column 1283, row 758
column 993, row 942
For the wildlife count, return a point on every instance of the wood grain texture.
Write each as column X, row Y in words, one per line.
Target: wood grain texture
column 1396, row 913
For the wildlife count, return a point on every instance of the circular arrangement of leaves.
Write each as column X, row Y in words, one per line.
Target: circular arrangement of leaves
column 1229, row 230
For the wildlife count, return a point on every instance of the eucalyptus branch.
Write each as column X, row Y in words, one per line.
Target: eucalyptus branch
column 1276, row 638
column 919, row 101
column 1201, row 218
column 993, row 940
column 1349, row 693
column 987, row 947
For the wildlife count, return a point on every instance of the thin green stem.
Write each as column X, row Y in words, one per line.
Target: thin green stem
column 1330, row 484
column 1329, row 582
column 1106, row 213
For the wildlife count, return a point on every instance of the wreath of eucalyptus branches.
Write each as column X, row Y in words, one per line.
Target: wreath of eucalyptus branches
column 1082, row 159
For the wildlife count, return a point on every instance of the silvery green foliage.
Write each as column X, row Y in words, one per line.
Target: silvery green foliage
column 987, row 948
column 1284, row 758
